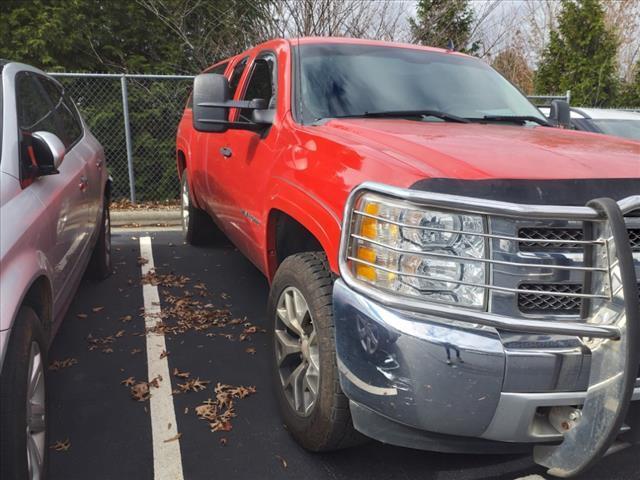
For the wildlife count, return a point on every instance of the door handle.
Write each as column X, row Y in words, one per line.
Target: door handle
column 84, row 182
column 226, row 152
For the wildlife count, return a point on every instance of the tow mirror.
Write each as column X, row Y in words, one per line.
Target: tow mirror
column 560, row 114
column 49, row 151
column 209, row 89
column 211, row 104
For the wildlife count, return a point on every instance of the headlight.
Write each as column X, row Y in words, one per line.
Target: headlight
column 431, row 254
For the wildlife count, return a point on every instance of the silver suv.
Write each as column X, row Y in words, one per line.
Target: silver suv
column 54, row 221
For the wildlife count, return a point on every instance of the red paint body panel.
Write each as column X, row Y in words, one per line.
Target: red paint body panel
column 308, row 171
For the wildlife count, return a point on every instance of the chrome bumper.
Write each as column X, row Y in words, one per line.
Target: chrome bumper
column 448, row 371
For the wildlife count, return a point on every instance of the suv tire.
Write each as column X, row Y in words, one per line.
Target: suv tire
column 27, row 338
column 302, row 290
column 100, row 263
column 197, row 226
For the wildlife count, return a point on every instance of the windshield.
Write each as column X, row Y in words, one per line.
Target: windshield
column 342, row 80
column 620, row 128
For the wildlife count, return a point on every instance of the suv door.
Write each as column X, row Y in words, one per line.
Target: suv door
column 251, row 160
column 62, row 195
column 216, row 165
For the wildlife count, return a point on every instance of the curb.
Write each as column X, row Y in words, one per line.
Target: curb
column 145, row 217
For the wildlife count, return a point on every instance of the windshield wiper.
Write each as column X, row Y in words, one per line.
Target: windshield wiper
column 519, row 119
column 447, row 117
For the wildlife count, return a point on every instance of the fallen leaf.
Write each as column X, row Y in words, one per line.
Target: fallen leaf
column 126, row 318
column 223, row 441
column 164, row 354
column 178, row 373
column 174, row 438
column 128, row 382
column 82, row 316
column 250, row 350
column 60, row 364
column 282, row 461
column 193, row 385
column 136, row 350
column 142, row 261
column 119, row 333
column 140, row 392
column 61, row 446
column 97, row 309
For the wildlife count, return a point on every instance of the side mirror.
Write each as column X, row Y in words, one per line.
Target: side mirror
column 560, row 114
column 49, row 151
column 211, row 106
column 210, row 88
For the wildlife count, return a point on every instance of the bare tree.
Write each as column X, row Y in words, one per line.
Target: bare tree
column 381, row 19
column 623, row 17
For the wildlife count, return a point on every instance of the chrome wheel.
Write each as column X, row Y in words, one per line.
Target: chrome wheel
column 185, row 202
column 35, row 413
column 296, row 350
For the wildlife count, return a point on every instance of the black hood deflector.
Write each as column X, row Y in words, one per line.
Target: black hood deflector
column 568, row 192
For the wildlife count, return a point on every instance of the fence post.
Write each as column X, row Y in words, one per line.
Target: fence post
column 568, row 96
column 127, row 137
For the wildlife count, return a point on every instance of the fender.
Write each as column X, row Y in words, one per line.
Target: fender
column 22, row 272
column 307, row 209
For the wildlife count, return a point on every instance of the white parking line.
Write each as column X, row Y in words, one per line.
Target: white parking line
column 167, row 460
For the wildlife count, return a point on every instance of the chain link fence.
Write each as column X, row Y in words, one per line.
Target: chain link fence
column 135, row 118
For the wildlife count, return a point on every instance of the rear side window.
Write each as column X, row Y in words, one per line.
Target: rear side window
column 234, row 81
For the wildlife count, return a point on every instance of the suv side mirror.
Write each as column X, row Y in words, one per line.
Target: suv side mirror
column 211, row 106
column 560, row 114
column 209, row 88
column 49, row 151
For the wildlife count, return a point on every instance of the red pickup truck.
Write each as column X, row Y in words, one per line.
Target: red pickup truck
column 449, row 270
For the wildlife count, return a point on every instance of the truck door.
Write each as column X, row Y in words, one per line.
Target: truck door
column 215, row 164
column 251, row 158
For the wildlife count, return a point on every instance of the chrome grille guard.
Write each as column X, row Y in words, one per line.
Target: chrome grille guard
column 609, row 324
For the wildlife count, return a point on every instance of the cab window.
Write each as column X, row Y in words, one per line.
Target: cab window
column 261, row 84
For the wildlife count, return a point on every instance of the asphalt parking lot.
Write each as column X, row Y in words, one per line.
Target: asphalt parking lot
column 111, row 435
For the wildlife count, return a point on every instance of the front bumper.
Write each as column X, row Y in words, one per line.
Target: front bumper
column 423, row 373
column 566, row 386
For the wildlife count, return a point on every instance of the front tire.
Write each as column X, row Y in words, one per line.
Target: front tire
column 197, row 226
column 23, row 401
column 314, row 409
column 100, row 263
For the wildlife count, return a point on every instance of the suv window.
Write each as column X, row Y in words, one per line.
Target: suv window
column 235, row 76
column 68, row 119
column 261, row 84
column 42, row 105
column 35, row 111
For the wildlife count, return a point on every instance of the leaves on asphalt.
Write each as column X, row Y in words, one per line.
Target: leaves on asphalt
column 101, row 343
column 250, row 350
column 219, row 412
column 193, row 385
column 97, row 309
column 135, row 351
column 164, row 280
column 61, row 445
column 142, row 261
column 60, row 364
column 141, row 391
column 164, row 354
column 82, row 316
column 126, row 318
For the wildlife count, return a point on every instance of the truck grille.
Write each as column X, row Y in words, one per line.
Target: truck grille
column 562, row 239
column 542, row 302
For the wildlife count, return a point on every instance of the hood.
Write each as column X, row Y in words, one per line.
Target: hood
column 476, row 151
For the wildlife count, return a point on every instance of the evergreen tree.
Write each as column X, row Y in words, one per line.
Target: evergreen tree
column 580, row 56
column 630, row 94
column 439, row 21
